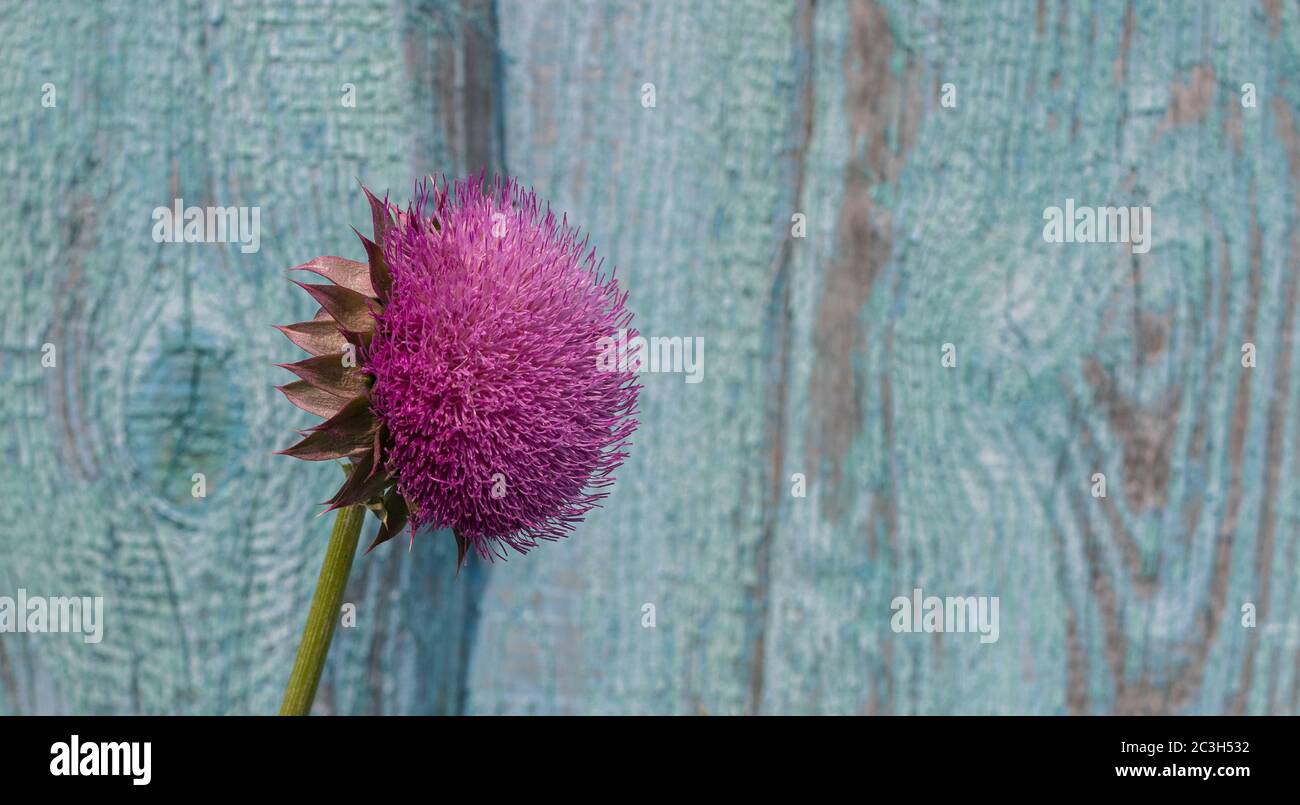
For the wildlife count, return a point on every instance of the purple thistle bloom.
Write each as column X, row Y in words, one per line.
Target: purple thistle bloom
column 501, row 423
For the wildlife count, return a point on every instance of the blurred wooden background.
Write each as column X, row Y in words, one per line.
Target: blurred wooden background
column 822, row 354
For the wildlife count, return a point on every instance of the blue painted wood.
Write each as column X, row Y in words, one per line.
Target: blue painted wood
column 165, row 351
column 822, row 354
column 824, row 358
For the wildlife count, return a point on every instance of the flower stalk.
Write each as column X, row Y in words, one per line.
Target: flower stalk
column 457, row 373
column 323, row 617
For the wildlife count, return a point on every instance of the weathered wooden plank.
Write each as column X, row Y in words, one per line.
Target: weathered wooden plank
column 1072, row 360
column 683, row 198
column 924, row 229
column 165, row 350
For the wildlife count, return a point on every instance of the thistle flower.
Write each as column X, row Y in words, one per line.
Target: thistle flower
column 458, row 369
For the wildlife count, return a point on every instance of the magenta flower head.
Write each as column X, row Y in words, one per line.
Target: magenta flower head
column 461, row 373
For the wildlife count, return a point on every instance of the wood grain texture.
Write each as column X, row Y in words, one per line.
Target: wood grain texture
column 686, row 198
column 824, row 358
column 822, row 354
column 165, row 351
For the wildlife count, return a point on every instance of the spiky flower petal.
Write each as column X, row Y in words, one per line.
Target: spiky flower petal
column 485, row 364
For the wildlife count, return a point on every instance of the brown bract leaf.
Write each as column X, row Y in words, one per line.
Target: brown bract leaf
column 348, row 433
column 329, row 373
column 323, row 446
column 377, row 448
column 312, row 400
column 360, row 341
column 393, row 518
column 380, row 279
column 354, row 418
column 363, row 484
column 353, row 311
column 316, row 337
column 339, row 270
column 379, row 215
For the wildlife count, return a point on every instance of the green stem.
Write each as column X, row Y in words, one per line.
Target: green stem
column 324, row 614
